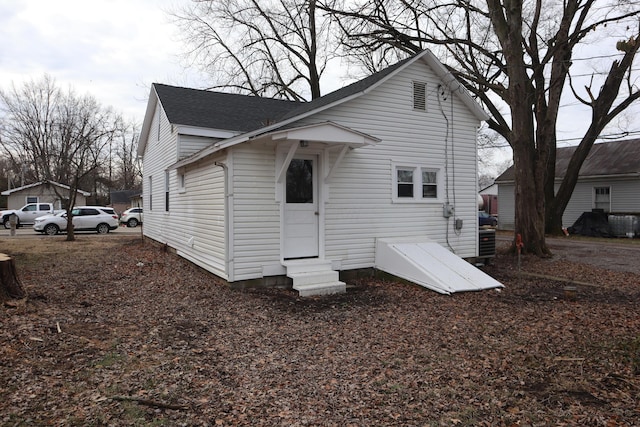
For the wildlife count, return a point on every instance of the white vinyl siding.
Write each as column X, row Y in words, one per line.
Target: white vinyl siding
column 160, row 152
column 360, row 209
column 256, row 221
column 195, row 225
column 198, row 218
column 189, row 144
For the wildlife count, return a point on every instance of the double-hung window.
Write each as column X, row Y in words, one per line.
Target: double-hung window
column 416, row 183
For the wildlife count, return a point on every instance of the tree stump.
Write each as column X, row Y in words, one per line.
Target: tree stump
column 10, row 286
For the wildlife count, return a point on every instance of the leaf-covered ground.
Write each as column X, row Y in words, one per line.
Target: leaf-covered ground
column 119, row 332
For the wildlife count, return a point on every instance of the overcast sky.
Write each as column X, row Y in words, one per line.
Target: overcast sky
column 114, row 49
column 110, row 49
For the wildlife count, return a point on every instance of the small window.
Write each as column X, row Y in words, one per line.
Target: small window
column 602, row 198
column 405, row 182
column 181, row 182
column 166, row 191
column 150, row 189
column 429, row 184
column 419, row 96
column 415, row 183
column 32, row 199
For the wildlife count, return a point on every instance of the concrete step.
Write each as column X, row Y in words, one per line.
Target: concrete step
column 321, row 289
column 314, row 277
column 307, row 265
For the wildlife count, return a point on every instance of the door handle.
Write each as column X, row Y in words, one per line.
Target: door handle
column 316, row 213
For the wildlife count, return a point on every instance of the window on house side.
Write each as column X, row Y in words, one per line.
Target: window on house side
column 166, row 191
column 419, row 96
column 181, row 182
column 32, row 199
column 602, row 198
column 405, row 182
column 429, row 184
column 416, row 183
column 150, row 189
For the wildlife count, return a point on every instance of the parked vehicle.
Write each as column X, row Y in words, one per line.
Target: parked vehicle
column 27, row 214
column 485, row 219
column 85, row 218
column 132, row 217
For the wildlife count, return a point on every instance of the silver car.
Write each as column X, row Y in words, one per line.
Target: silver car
column 85, row 218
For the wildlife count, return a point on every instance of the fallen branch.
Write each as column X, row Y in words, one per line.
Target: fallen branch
column 148, row 402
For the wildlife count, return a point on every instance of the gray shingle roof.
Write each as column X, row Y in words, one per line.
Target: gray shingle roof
column 346, row 91
column 219, row 110
column 608, row 158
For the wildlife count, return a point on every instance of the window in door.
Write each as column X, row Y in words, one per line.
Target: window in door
column 300, row 181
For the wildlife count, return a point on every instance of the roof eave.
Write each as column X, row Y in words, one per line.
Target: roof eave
column 152, row 102
column 454, row 85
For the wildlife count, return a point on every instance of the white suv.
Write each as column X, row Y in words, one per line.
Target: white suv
column 132, row 217
column 85, row 218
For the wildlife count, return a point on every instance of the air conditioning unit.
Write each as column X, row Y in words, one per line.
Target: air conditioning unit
column 486, row 244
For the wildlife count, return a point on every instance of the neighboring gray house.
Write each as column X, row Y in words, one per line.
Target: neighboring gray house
column 609, row 180
column 256, row 190
column 121, row 200
column 41, row 192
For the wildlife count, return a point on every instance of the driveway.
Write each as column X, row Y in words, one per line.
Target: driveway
column 617, row 254
column 27, row 232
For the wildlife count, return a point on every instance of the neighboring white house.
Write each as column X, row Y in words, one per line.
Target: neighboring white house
column 252, row 188
column 42, row 192
column 609, row 180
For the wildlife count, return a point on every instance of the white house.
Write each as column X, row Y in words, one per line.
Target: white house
column 255, row 190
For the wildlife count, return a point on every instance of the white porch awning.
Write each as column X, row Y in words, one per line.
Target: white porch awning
column 327, row 132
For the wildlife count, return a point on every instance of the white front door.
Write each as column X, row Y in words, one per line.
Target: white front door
column 301, row 208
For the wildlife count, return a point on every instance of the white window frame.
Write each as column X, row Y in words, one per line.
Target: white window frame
column 167, row 188
column 595, row 189
column 150, row 184
column 182, row 187
column 417, row 183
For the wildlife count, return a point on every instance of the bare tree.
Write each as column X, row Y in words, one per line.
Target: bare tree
column 60, row 136
column 518, row 54
column 276, row 48
column 127, row 168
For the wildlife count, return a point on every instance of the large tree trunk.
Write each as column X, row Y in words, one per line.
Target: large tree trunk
column 10, row 286
column 529, row 202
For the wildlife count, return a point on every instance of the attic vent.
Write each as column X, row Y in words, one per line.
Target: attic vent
column 419, row 96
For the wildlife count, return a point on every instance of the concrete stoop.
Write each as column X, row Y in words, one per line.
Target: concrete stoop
column 314, row 277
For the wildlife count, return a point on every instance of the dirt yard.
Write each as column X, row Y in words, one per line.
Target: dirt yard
column 117, row 332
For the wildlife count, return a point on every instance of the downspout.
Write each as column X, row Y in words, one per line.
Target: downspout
column 227, row 217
